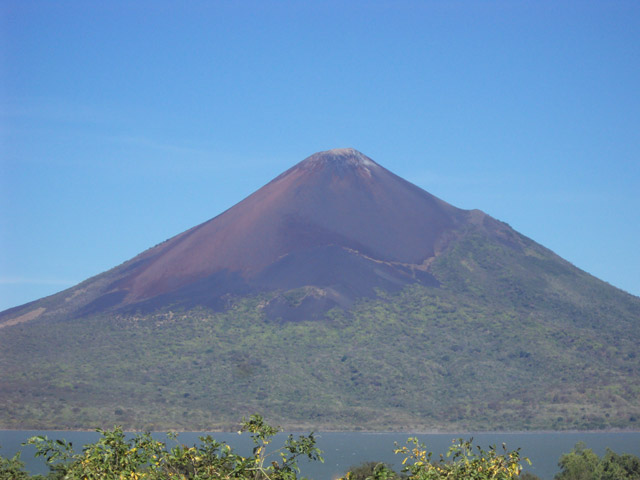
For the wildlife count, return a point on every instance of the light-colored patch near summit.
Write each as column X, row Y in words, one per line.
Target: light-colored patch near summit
column 345, row 156
column 32, row 315
column 350, row 153
column 341, row 151
column 352, row 156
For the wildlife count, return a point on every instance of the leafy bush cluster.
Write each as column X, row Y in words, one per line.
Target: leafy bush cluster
column 583, row 464
column 116, row 457
column 461, row 462
column 465, row 462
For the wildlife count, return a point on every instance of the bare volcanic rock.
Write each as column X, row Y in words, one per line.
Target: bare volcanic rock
column 337, row 224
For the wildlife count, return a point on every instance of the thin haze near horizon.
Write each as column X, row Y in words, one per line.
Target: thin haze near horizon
column 125, row 123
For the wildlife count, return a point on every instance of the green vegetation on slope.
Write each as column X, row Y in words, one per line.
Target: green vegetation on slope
column 418, row 361
column 507, row 342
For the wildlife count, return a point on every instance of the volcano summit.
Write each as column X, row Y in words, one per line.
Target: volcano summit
column 337, row 296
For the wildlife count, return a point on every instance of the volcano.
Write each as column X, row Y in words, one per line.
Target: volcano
column 337, row 224
column 338, row 296
column 337, row 221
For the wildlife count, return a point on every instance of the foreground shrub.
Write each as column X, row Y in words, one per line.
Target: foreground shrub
column 114, row 457
column 12, row 468
column 584, row 464
column 461, row 462
column 372, row 470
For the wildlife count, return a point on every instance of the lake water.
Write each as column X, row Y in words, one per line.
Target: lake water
column 343, row 450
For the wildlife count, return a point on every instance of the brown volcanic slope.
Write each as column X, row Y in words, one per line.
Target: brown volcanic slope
column 336, row 221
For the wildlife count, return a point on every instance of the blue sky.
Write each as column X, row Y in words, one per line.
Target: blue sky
column 125, row 123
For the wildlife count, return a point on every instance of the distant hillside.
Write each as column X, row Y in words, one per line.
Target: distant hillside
column 338, row 296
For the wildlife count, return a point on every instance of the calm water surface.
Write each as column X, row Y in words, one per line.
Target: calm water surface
column 343, row 450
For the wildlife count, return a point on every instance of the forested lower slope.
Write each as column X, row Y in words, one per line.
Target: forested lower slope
column 512, row 338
